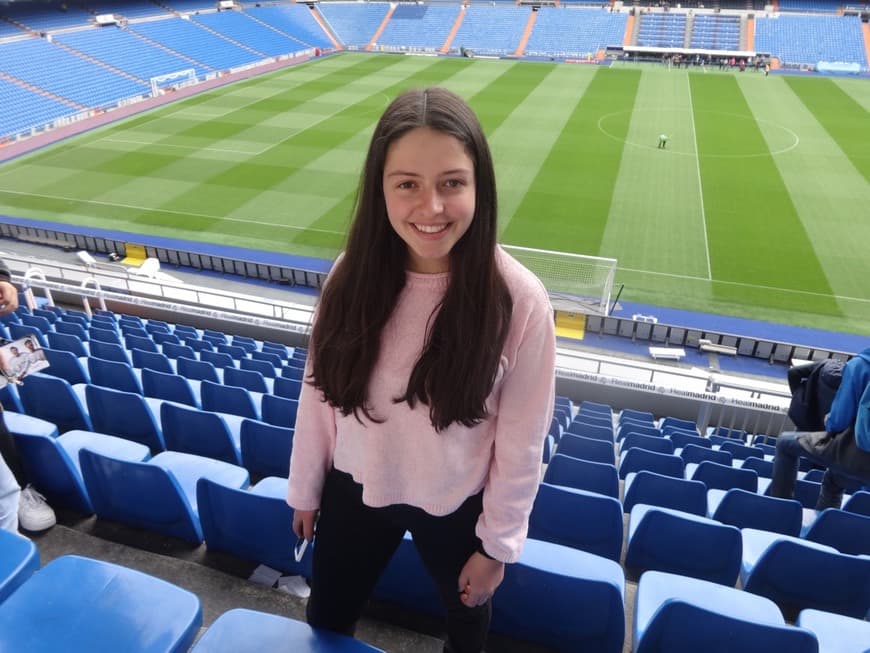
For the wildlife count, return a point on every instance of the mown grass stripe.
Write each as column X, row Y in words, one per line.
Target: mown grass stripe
column 755, row 234
column 567, row 207
column 846, row 121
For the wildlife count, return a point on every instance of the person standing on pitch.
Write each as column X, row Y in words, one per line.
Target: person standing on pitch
column 429, row 383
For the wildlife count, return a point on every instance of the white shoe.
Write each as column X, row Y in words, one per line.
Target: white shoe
column 34, row 514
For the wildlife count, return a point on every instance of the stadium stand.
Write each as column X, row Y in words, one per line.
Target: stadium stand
column 570, row 32
column 418, row 27
column 798, row 39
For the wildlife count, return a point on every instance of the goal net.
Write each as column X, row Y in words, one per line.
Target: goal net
column 575, row 282
column 172, row 81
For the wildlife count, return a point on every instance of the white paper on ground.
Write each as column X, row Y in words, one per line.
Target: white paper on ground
column 265, row 575
column 294, row 585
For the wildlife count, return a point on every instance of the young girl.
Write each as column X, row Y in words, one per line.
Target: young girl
column 429, row 382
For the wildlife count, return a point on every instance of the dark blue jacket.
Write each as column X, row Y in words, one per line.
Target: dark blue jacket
column 856, row 378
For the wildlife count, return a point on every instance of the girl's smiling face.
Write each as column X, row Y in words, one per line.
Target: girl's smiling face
column 429, row 190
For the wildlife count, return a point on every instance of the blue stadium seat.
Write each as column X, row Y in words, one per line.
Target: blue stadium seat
column 279, row 411
column 266, row 448
column 576, row 446
column 681, row 439
column 196, row 370
column 665, row 491
column 745, row 509
column 836, row 633
column 594, row 431
column 583, row 475
column 52, row 463
column 538, row 599
column 117, row 487
column 741, row 451
column 109, row 336
column 228, row 399
column 859, row 502
column 637, row 459
column 630, row 426
column 723, row 477
column 67, row 342
column 54, row 400
column 641, row 416
column 679, row 614
column 251, row 380
column 199, row 345
column 19, row 558
column 681, row 543
column 144, row 343
column 246, row 631
column 266, row 368
column 586, row 521
column 68, row 328
column 846, row 531
column 169, row 387
column 114, row 374
column 108, row 351
column 255, row 524
column 18, row 331
column 268, row 356
column 764, row 468
column 694, row 454
column 288, row 388
column 218, row 359
column 164, row 337
column 152, row 360
column 98, row 606
column 798, row 574
column 66, row 365
column 127, row 415
column 406, row 582
column 649, row 442
column 199, row 432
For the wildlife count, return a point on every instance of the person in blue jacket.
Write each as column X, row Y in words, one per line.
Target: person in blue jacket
column 837, row 447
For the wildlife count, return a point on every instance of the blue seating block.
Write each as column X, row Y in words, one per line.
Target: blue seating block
column 98, row 606
column 19, row 558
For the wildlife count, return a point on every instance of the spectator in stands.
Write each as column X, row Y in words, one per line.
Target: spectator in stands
column 430, row 379
column 9, row 498
column 848, row 465
column 34, row 514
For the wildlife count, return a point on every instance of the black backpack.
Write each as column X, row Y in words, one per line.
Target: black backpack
column 813, row 386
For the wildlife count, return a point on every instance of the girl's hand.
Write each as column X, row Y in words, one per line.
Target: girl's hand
column 303, row 523
column 479, row 579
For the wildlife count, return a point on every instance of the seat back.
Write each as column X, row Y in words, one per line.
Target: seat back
column 190, row 368
column 228, row 399
column 117, row 487
column 66, row 342
column 235, row 351
column 848, row 532
column 538, row 599
column 859, row 503
column 583, row 475
column 66, row 327
column 109, row 351
column 152, row 360
column 649, row 442
column 692, row 453
column 263, row 367
column 255, row 524
column 725, row 477
column 740, row 451
column 266, row 448
column 594, row 431
column 161, row 338
column 279, row 411
column 665, row 491
column 576, row 446
column 288, row 388
column 114, row 374
column 682, row 439
column 104, row 335
column 586, row 521
column 174, row 350
column 637, row 459
column 216, row 358
column 50, row 469
column 66, row 365
column 133, row 342
column 53, row 399
column 198, row 432
column 125, row 414
column 171, row 387
column 746, row 509
column 269, row 357
column 247, row 379
column 19, row 558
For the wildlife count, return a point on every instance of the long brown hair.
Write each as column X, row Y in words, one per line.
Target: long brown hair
column 459, row 362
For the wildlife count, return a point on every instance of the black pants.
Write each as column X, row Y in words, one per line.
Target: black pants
column 848, row 466
column 10, row 452
column 355, row 542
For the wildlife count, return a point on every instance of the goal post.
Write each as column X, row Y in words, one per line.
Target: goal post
column 574, row 281
column 172, row 81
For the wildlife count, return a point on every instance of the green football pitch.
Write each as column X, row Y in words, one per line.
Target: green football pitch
column 759, row 207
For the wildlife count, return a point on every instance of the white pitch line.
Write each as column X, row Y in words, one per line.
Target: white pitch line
column 180, row 213
column 743, row 284
column 183, row 147
column 700, row 184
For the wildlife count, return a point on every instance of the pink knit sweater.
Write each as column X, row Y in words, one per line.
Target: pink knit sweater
column 404, row 460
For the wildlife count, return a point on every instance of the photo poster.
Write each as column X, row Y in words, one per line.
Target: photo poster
column 20, row 358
